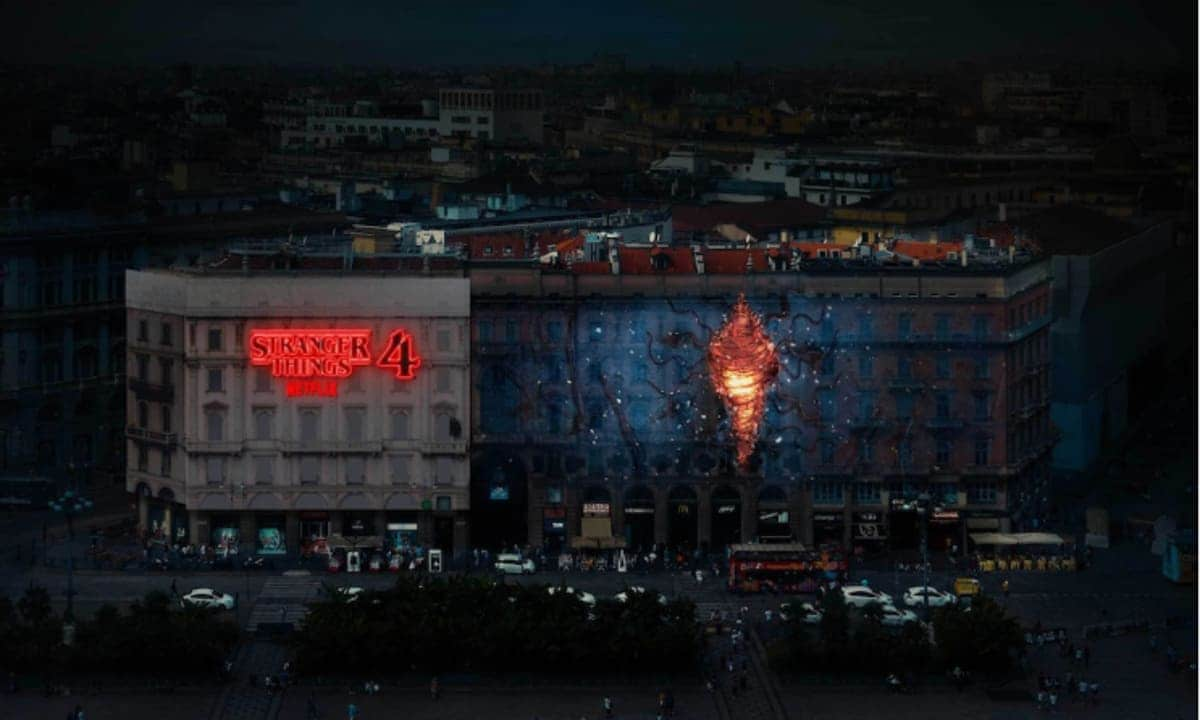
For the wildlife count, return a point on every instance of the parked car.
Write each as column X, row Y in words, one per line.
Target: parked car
column 807, row 612
column 208, row 598
column 862, row 596
column 584, row 597
column 350, row 593
column 623, row 596
column 514, row 565
column 895, row 617
column 917, row 596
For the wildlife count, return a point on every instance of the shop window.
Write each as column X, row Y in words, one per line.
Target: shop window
column 828, row 493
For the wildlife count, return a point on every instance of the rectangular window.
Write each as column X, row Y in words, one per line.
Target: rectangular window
column 595, row 412
column 983, row 447
column 828, row 448
column 865, row 328
column 214, row 470
column 904, row 367
column 398, row 469
column 827, row 404
column 554, row 331
column 511, row 331
column 942, row 405
column 981, row 492
column 215, row 380
column 165, row 466
column 904, row 407
column 143, row 368
column 945, row 449
column 264, row 424
column 263, row 470
column 214, row 339
column 983, row 406
column 866, row 366
column 166, row 418
column 866, row 405
column 982, row 327
column 443, row 503
column 982, row 368
column 166, row 334
column 485, row 331
column 868, row 493
column 904, row 452
column 356, row 471
column 165, row 372
column 356, row 419
column 442, row 376
column 399, row 419
column 310, row 425
column 866, row 450
column 310, row 471
column 143, row 458
column 941, row 327
column 554, row 418
column 443, row 471
column 215, row 421
column 595, row 331
column 262, row 380
column 942, row 366
column 828, row 493
column 143, row 331
column 443, row 340
column 904, row 326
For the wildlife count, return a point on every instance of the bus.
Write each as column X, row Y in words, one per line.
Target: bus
column 789, row 568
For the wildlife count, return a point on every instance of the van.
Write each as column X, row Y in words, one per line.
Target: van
column 514, row 565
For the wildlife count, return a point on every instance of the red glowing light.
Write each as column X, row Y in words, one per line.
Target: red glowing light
column 400, row 355
column 742, row 362
column 319, row 388
column 302, row 353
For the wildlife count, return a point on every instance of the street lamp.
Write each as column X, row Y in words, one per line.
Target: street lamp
column 70, row 504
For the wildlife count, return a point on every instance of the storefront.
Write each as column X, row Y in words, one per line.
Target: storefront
column 945, row 530
column 828, row 529
column 401, row 531
column 904, row 527
column 597, row 520
column 726, row 517
column 639, row 518
column 271, row 534
column 358, row 524
column 774, row 525
column 682, row 519
column 554, row 529
column 226, row 534
column 869, row 532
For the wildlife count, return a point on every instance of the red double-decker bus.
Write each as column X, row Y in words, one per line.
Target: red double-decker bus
column 790, row 568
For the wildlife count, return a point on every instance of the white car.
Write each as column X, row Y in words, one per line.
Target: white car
column 895, row 617
column 638, row 590
column 584, row 597
column 808, row 613
column 514, row 565
column 208, row 598
column 861, row 596
column 916, row 597
column 350, row 594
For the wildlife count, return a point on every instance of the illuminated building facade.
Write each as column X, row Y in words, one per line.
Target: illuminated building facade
column 595, row 413
column 269, row 408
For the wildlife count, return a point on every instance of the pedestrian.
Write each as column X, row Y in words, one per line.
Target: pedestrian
column 1078, row 656
column 1004, row 588
column 606, row 704
column 1053, row 701
column 351, row 712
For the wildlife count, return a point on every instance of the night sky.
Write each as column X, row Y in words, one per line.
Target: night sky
column 696, row 32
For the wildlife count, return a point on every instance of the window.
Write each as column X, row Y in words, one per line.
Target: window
column 263, row 471
column 214, row 470
column 143, row 415
column 981, row 492
column 215, row 380
column 445, row 426
column 942, row 366
column 355, row 424
column 942, row 405
column 443, row 471
column 828, row 364
column 865, row 327
column 904, row 326
column 356, row 471
column 554, row 331
column 866, row 405
column 511, row 331
column 868, row 493
column 904, row 367
column 982, row 368
column 904, row 452
column 214, row 339
column 310, row 424
column 826, row 404
column 828, row 493
column 143, row 331
column 264, row 423
column 166, row 334
column 310, row 471
column 442, row 379
column 443, row 340
column 399, row 418
column 553, row 368
column 166, row 372
column 904, row 407
column 554, row 418
column 828, row 449
column 983, row 446
column 595, row 372
column 143, row 368
column 983, row 406
column 866, row 366
column 982, row 327
column 166, row 418
column 143, row 458
column 164, row 467
column 866, row 450
column 443, row 503
column 941, row 327
column 595, row 413
column 485, row 331
column 595, row 331
column 215, row 423
column 262, row 380
column 944, row 450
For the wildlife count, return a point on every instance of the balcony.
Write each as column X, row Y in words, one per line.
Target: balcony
column 333, row 446
column 152, row 436
column 148, row 391
column 221, row 447
column 452, row 447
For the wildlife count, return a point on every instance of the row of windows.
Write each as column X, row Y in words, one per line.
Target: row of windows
column 446, row 426
column 826, row 492
column 311, row 470
column 165, row 333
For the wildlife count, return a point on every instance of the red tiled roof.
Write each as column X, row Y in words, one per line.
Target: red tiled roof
column 493, row 246
column 756, row 218
column 733, row 261
column 925, row 250
column 637, row 260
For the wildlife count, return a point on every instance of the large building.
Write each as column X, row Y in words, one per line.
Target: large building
column 901, row 374
column 271, row 403
column 502, row 115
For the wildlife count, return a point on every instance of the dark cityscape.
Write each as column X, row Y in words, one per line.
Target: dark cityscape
column 706, row 361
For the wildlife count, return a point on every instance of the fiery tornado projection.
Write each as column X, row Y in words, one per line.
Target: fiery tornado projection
column 742, row 361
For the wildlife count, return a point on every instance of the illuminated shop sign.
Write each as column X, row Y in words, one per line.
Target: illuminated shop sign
column 313, row 360
column 596, row 508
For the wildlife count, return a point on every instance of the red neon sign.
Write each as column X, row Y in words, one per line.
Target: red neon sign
column 312, row 361
column 399, row 355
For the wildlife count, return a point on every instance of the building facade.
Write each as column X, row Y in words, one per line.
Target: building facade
column 501, row 115
column 268, row 410
column 595, row 415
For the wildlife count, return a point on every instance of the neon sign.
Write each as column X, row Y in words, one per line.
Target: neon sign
column 312, row 361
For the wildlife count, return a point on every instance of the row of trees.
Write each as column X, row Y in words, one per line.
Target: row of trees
column 980, row 639
column 153, row 636
column 478, row 625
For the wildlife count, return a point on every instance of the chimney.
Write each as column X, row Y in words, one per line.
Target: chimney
column 1002, row 214
column 698, row 258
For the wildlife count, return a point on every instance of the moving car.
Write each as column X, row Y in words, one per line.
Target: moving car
column 807, row 613
column 584, row 597
column 208, row 598
column 349, row 593
column 638, row 590
column 895, row 617
column 861, row 596
column 514, row 565
column 916, row 597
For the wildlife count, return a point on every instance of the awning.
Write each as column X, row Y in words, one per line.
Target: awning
column 598, row 543
column 1036, row 538
column 993, row 539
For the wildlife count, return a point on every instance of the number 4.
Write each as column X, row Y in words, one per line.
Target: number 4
column 400, row 355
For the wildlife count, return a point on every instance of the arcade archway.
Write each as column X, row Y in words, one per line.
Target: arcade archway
column 499, row 502
column 726, row 516
column 774, row 521
column 639, row 517
column 682, row 522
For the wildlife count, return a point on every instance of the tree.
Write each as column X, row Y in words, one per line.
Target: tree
column 835, row 628
column 981, row 637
